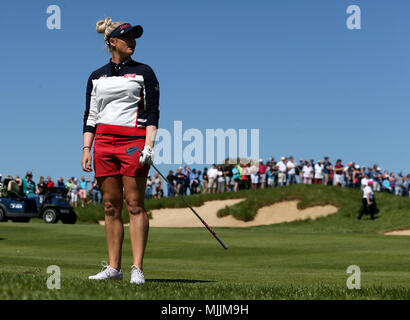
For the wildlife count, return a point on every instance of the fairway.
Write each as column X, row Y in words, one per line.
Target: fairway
column 285, row 261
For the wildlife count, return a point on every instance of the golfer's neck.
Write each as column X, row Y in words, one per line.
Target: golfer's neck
column 117, row 58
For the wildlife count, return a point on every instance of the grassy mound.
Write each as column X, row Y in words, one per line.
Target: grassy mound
column 394, row 211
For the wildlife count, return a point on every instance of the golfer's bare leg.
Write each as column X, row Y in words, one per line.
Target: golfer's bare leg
column 111, row 189
column 134, row 188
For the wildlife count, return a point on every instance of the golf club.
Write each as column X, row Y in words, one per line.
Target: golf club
column 132, row 150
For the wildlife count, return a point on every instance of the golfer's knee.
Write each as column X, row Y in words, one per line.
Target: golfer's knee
column 110, row 209
column 135, row 209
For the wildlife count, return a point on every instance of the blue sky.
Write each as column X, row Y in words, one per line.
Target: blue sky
column 288, row 68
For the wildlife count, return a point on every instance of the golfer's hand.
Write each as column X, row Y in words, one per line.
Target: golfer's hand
column 147, row 156
column 86, row 161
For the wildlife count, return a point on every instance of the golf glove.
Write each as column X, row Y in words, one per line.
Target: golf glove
column 147, row 156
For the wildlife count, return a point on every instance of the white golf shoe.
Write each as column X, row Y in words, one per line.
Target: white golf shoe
column 137, row 275
column 107, row 273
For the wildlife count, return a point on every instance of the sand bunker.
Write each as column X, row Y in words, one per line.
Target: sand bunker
column 276, row 213
column 285, row 211
column 398, row 233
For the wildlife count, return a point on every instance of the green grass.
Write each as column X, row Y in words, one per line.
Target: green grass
column 297, row 260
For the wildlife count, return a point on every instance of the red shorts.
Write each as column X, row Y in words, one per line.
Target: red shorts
column 111, row 158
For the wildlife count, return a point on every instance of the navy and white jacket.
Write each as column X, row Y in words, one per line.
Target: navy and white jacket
column 122, row 99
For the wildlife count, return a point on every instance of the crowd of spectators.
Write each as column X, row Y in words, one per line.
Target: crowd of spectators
column 286, row 171
column 232, row 177
column 77, row 190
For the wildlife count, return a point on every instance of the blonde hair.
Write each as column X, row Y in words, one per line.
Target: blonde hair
column 106, row 26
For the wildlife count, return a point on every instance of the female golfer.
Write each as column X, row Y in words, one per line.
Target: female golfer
column 122, row 102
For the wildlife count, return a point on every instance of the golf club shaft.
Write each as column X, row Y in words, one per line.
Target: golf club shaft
column 224, row 245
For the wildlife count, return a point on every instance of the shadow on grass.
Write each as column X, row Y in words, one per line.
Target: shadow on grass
column 178, row 280
column 3, row 239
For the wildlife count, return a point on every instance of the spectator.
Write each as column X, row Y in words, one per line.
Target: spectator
column 19, row 182
column 349, row 175
column 41, row 186
column 327, row 169
column 205, row 180
column 194, row 182
column 392, row 182
column 29, row 189
column 246, row 175
column 268, row 167
column 172, row 181
column 307, row 173
column 236, row 176
column 262, row 173
column 220, row 180
column 60, row 183
column 29, row 186
column 154, row 190
column 385, row 175
column 74, row 193
column 254, row 176
column 376, row 177
column 300, row 169
column 157, row 187
column 319, row 172
column 275, row 170
column 83, row 190
column 291, row 170
column 399, row 184
column 368, row 201
column 282, row 168
column 338, row 175
column 97, row 198
column 407, row 185
column 386, row 184
column 68, row 187
column 148, row 188
column 187, row 178
column 271, row 177
column 228, row 175
column 357, row 176
column 365, row 180
column 68, row 183
column 312, row 164
column 50, row 183
column 212, row 177
column 180, row 178
column 200, row 182
column 5, row 184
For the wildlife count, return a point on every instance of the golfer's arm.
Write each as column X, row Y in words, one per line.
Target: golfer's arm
column 88, row 138
column 150, row 136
